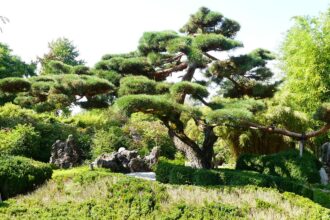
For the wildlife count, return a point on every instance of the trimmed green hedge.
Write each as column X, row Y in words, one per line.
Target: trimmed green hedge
column 286, row 164
column 20, row 174
column 167, row 172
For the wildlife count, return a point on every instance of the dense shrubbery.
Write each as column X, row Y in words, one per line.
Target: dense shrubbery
column 168, row 172
column 19, row 175
column 108, row 141
column 286, row 164
column 82, row 194
column 31, row 134
column 21, row 140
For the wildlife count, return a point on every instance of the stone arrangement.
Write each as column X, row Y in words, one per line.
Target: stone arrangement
column 127, row 161
column 325, row 159
column 65, row 154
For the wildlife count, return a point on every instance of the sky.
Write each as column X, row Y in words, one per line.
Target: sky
column 99, row 27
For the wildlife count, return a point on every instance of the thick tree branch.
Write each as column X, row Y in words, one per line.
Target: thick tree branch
column 187, row 77
column 176, row 58
column 271, row 129
column 200, row 98
column 235, row 83
column 163, row 74
column 210, row 56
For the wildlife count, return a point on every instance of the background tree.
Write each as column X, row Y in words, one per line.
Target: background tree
column 305, row 60
column 12, row 66
column 61, row 50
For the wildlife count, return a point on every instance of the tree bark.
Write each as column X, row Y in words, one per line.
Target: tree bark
column 288, row 133
column 302, row 137
column 207, row 150
column 193, row 155
column 163, row 74
column 187, row 77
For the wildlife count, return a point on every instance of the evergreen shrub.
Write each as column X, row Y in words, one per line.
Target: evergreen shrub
column 20, row 175
column 286, row 164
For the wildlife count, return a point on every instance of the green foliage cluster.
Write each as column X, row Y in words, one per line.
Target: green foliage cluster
column 214, row 42
column 27, row 133
column 136, row 85
column 22, row 140
column 234, row 110
column 126, row 66
column 194, row 89
column 155, row 41
column 285, row 164
column 14, row 85
column 46, row 93
column 245, row 75
column 207, row 21
column 19, row 175
column 157, row 105
column 108, row 141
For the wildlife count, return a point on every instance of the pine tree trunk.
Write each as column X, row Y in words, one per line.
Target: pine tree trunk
column 197, row 158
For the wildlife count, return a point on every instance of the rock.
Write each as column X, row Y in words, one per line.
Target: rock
column 325, row 159
column 108, row 161
column 65, row 154
column 152, row 158
column 138, row 165
column 121, row 149
column 129, row 154
column 324, row 176
column 325, row 153
column 126, row 161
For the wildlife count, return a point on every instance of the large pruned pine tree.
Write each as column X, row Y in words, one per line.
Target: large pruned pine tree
column 163, row 54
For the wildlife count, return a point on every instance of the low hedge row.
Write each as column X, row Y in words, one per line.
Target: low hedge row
column 20, row 174
column 286, row 164
column 167, row 172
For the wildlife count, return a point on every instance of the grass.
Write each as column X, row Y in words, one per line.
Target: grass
column 83, row 194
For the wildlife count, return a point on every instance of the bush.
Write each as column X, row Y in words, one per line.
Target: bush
column 174, row 173
column 322, row 197
column 19, row 175
column 204, row 177
column 146, row 133
column 40, row 130
column 241, row 178
column 286, row 164
column 181, row 175
column 163, row 169
column 23, row 140
column 109, row 141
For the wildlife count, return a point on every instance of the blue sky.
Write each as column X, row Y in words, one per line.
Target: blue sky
column 105, row 26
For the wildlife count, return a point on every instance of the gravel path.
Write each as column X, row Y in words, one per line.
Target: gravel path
column 144, row 175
